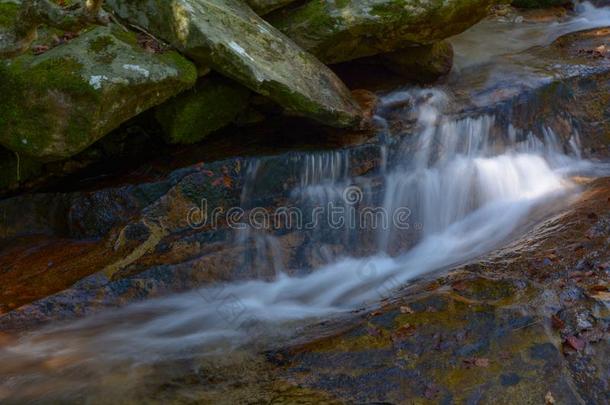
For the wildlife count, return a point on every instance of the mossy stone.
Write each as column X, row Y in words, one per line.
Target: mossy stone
column 211, row 105
column 229, row 37
column 56, row 104
column 339, row 31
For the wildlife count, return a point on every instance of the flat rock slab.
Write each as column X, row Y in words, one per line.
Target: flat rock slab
column 228, row 36
column 56, row 104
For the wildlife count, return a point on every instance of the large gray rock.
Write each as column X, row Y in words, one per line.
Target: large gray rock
column 56, row 104
column 338, row 31
column 228, row 36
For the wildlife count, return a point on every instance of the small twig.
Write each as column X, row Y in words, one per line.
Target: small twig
column 145, row 32
column 117, row 22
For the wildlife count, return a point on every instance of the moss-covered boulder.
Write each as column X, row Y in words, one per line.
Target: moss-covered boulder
column 228, row 36
column 263, row 7
column 56, row 104
column 214, row 103
column 338, row 31
column 422, row 63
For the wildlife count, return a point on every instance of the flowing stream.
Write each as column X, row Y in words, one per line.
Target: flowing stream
column 464, row 186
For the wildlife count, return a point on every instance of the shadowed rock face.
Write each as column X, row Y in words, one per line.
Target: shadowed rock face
column 229, row 37
column 56, row 104
column 212, row 104
column 338, row 31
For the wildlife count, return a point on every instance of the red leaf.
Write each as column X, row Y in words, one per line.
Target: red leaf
column 575, row 343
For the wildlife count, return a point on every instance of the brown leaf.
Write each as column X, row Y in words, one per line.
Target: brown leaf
column 557, row 322
column 481, row 362
column 404, row 331
column 39, row 49
column 575, row 343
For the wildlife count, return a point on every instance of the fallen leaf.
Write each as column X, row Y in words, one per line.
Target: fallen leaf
column 481, row 362
column 39, row 49
column 575, row 343
column 557, row 322
column 548, row 398
column 403, row 331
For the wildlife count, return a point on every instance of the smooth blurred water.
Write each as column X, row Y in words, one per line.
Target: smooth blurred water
column 468, row 188
column 492, row 38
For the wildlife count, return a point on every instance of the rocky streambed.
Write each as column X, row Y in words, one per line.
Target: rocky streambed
column 490, row 286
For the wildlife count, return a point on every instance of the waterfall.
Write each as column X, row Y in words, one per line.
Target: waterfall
column 467, row 189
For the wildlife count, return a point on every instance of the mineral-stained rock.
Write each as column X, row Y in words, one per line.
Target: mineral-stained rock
column 214, row 103
column 228, row 36
column 338, row 31
column 57, row 103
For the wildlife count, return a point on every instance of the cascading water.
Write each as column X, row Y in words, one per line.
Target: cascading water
column 465, row 186
column 468, row 188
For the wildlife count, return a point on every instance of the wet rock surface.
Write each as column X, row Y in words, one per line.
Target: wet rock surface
column 527, row 324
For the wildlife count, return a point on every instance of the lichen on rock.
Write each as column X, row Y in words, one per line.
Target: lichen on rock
column 338, row 31
column 56, row 104
column 229, row 37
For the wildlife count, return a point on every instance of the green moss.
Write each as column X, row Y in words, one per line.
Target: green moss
column 101, row 44
column 211, row 105
column 54, row 104
column 8, row 12
column 341, row 31
column 28, row 81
